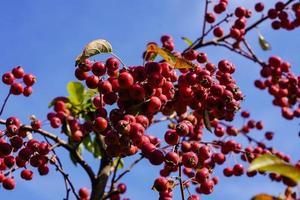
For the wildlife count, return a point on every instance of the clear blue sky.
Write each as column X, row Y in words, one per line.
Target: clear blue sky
column 45, row 37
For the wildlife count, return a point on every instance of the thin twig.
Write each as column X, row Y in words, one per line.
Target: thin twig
column 114, row 175
column 4, row 103
column 180, row 182
column 129, row 168
column 59, row 167
column 62, row 143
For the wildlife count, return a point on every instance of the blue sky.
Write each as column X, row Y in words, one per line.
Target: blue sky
column 45, row 37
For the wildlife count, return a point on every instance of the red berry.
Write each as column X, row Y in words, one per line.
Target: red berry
column 9, row 183
column 29, row 79
column 8, row 78
column 99, row 68
column 125, row 80
column 259, row 7
column 160, row 184
column 16, row 88
column 18, row 72
column 27, row 91
column 100, row 124
column 112, row 64
column 84, row 192
column 218, row 32
column 27, row 174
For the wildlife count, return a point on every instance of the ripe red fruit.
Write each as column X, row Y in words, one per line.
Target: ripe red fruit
column 13, row 121
column 100, row 124
column 5, row 149
column 160, row 184
column 193, row 197
column 171, row 137
column 36, row 124
column 259, row 7
column 29, row 79
column 99, row 68
column 202, row 175
column 207, row 187
column 112, row 64
column 218, row 32
column 16, row 88
column 18, row 72
column 92, row 81
column 104, row 87
column 84, row 192
column 27, row 91
column 228, row 172
column 80, row 74
column 238, row 170
column 269, row 135
column 27, row 174
column 189, row 159
column 172, row 158
column 9, row 183
column 55, row 122
column 9, row 161
column 43, row 170
column 16, row 142
column 154, row 104
column 8, row 78
column 122, row 188
column 125, row 80
column 210, row 18
column 156, row 157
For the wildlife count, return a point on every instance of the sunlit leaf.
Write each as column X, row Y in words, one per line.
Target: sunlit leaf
column 187, row 41
column 206, row 120
column 271, row 163
column 76, row 92
column 121, row 163
column 263, row 43
column 264, row 197
column 176, row 62
column 93, row 48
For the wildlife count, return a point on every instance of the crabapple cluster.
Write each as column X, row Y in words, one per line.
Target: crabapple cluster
column 17, row 152
column 283, row 18
column 141, row 92
column 282, row 84
column 16, row 87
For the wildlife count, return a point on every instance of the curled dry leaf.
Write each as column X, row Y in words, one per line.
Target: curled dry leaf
column 93, row 48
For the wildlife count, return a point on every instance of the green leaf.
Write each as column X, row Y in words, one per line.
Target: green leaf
column 88, row 144
column 76, row 92
column 79, row 150
column 121, row 163
column 97, row 152
column 187, row 41
column 264, row 197
column 206, row 120
column 65, row 128
column 93, row 48
column 271, row 163
column 263, row 43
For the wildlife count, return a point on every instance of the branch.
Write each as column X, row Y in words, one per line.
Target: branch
column 114, row 175
column 180, row 182
column 62, row 143
column 129, row 168
column 4, row 103
column 59, row 168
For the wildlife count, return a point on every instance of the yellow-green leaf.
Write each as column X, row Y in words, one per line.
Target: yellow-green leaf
column 187, row 41
column 93, row 48
column 271, row 163
column 76, row 92
column 176, row 62
column 263, row 43
column 264, row 197
column 206, row 120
